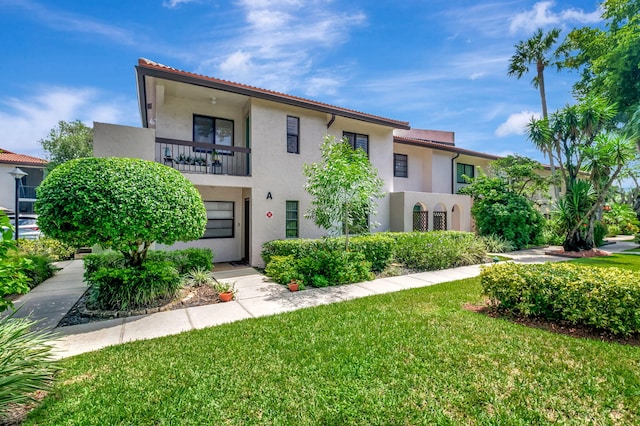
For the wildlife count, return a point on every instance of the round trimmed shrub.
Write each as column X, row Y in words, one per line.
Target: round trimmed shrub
column 120, row 203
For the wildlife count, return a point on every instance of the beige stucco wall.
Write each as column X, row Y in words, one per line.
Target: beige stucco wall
column 419, row 169
column 112, row 140
column 458, row 208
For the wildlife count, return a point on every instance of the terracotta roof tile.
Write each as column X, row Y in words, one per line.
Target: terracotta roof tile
column 154, row 65
column 444, row 147
column 9, row 157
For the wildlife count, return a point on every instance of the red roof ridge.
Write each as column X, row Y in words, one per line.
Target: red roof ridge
column 152, row 64
column 445, row 147
column 9, row 157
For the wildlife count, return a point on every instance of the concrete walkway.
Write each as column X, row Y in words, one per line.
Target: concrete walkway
column 256, row 297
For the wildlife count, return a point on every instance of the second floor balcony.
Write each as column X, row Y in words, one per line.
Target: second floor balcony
column 203, row 158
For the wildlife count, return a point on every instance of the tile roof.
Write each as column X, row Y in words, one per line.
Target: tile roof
column 8, row 157
column 268, row 94
column 443, row 147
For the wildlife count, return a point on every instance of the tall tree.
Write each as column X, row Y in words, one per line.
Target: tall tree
column 608, row 60
column 66, row 141
column 538, row 51
column 344, row 187
column 591, row 157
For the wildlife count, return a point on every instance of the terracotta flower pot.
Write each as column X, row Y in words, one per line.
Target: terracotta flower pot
column 226, row 297
column 294, row 286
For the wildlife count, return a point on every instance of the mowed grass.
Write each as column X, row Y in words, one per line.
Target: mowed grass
column 618, row 260
column 408, row 358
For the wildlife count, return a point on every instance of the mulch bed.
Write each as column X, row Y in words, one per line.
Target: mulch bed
column 187, row 297
column 558, row 327
column 578, row 254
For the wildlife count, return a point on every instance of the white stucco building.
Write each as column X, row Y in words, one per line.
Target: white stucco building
column 244, row 149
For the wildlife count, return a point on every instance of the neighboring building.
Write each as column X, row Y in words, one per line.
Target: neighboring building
column 35, row 169
column 244, row 149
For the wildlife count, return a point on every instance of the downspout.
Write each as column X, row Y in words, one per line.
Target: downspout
column 453, row 174
column 333, row 118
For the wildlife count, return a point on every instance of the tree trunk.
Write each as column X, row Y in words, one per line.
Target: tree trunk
column 545, row 115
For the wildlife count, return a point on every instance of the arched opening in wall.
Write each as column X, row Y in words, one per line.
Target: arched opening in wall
column 420, row 218
column 455, row 218
column 440, row 218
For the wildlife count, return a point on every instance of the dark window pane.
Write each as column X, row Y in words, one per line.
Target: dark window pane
column 203, row 129
column 362, row 141
column 220, row 219
column 293, row 134
column 400, row 165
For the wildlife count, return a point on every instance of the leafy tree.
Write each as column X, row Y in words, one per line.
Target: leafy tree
column 523, row 176
column 344, row 186
column 498, row 210
column 591, row 157
column 609, row 59
column 66, row 141
column 537, row 50
column 120, row 203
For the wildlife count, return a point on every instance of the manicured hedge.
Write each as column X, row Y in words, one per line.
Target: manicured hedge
column 429, row 251
column 324, row 262
column 604, row 298
column 376, row 248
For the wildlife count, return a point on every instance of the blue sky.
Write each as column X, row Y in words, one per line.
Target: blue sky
column 437, row 64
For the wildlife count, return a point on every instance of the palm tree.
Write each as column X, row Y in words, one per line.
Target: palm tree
column 536, row 51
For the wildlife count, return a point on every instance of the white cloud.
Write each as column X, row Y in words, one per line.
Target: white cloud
column 25, row 121
column 541, row 15
column 516, row 124
column 281, row 43
column 171, row 4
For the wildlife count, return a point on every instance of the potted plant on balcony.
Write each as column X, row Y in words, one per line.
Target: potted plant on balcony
column 226, row 290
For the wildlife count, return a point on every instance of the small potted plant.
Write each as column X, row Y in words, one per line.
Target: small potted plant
column 295, row 284
column 226, row 290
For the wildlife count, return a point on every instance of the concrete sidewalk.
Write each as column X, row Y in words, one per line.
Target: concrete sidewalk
column 256, row 297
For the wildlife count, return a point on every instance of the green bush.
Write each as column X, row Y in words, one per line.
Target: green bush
column 552, row 233
column 37, row 268
column 282, row 269
column 636, row 239
column 191, row 258
column 377, row 248
column 510, row 215
column 183, row 260
column 496, row 243
column 334, row 268
column 428, row 251
column 621, row 219
column 25, row 362
column 599, row 232
column 134, row 287
column 604, row 298
column 54, row 249
column 613, row 230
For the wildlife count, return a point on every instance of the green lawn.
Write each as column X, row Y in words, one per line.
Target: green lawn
column 408, row 358
column 625, row 261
